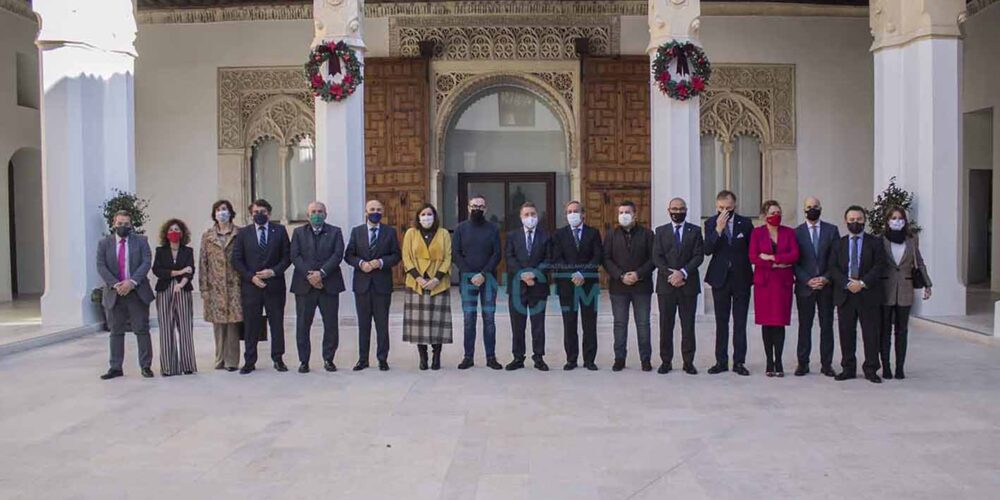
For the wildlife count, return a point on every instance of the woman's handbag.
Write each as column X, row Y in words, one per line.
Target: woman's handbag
column 919, row 280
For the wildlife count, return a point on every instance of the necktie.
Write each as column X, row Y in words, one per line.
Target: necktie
column 677, row 236
column 729, row 230
column 530, row 241
column 855, row 258
column 373, row 236
column 576, row 234
column 814, row 234
column 121, row 260
column 262, row 238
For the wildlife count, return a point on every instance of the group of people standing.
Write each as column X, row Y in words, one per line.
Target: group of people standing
column 869, row 279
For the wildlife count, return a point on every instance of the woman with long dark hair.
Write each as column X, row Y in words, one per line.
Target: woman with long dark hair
column 905, row 266
column 427, row 264
column 173, row 265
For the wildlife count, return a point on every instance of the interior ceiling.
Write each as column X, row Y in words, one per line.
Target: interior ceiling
column 170, row 4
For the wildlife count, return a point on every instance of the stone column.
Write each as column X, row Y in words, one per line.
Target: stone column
column 917, row 54
column 340, row 129
column 674, row 125
column 88, row 141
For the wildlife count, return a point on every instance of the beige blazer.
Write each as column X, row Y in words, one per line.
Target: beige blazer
column 898, row 278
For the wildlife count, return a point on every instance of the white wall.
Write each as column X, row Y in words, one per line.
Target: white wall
column 18, row 125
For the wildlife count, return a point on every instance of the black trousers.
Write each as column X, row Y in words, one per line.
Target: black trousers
column 580, row 302
column 373, row 306
column 852, row 311
column 807, row 307
column 254, row 306
column 774, row 346
column 519, row 315
column 736, row 301
column 894, row 318
column 129, row 310
column 670, row 304
column 305, row 311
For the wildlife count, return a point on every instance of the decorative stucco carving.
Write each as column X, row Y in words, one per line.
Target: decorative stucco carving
column 248, row 94
column 753, row 99
column 338, row 20
column 562, row 82
column 670, row 19
column 898, row 22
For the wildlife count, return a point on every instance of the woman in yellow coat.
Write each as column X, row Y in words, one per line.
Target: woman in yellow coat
column 427, row 264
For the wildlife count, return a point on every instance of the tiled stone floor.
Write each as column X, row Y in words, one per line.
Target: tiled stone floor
column 481, row 434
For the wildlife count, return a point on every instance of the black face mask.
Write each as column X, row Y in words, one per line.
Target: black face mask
column 123, row 231
column 678, row 217
column 477, row 216
column 813, row 214
column 260, row 219
column 856, row 228
column 895, row 236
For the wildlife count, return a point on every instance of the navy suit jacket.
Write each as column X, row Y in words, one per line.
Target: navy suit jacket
column 519, row 259
column 248, row 258
column 358, row 251
column 812, row 264
column 687, row 254
column 873, row 262
column 730, row 259
column 568, row 258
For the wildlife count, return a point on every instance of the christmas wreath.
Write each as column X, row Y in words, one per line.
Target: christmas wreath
column 342, row 75
column 692, row 69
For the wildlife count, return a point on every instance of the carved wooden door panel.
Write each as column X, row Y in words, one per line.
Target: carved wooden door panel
column 396, row 139
column 615, row 133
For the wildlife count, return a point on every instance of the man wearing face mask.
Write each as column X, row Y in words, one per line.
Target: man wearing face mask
column 261, row 256
column 475, row 248
column 527, row 255
column 855, row 271
column 628, row 260
column 576, row 256
column 372, row 251
column 677, row 253
column 317, row 250
column 816, row 239
column 123, row 261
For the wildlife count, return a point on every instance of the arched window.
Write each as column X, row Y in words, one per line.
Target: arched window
column 285, row 176
column 734, row 165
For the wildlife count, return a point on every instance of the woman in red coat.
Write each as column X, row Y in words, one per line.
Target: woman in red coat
column 773, row 251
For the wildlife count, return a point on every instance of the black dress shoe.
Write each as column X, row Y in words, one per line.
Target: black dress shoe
column 887, row 374
column 569, row 366
column 189, row 372
column 279, row 365
column 329, row 366
column 304, row 368
column 590, row 366
column 664, row 369
column 383, row 366
column 828, row 371
column 900, row 375
column 231, row 369
column 741, row 370
column 873, row 378
column 690, row 370
column 647, row 366
column 541, row 366
column 466, row 364
column 845, row 376
column 801, row 370
column 517, row 364
column 494, row 364
column 717, row 368
column 247, row 369
column 361, row 365
column 618, row 366
column 146, row 372
column 112, row 374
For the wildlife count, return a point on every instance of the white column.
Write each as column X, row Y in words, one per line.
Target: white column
column 917, row 58
column 87, row 62
column 340, row 129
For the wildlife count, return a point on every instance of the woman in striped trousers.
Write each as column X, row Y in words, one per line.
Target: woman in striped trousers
column 173, row 266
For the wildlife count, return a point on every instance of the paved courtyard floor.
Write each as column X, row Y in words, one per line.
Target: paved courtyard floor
column 481, row 434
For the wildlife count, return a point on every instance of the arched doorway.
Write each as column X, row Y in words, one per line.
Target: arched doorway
column 24, row 191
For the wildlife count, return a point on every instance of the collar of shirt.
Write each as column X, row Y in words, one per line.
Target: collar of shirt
column 526, row 230
column 374, row 226
column 678, row 227
column 265, row 226
column 316, row 230
column 812, row 225
column 119, row 239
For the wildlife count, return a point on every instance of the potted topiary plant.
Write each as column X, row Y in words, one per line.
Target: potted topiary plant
column 136, row 207
column 891, row 196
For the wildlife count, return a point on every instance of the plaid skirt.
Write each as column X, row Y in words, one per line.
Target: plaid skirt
column 427, row 318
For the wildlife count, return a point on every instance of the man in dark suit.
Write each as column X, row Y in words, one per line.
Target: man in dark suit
column 317, row 250
column 123, row 261
column 855, row 270
column 628, row 260
column 527, row 257
column 261, row 256
column 816, row 240
column 373, row 250
column 727, row 240
column 576, row 257
column 677, row 252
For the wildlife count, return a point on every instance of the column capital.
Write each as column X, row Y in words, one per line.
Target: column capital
column 339, row 20
column 670, row 19
column 898, row 22
column 107, row 25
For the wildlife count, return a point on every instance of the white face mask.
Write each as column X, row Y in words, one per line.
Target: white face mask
column 222, row 216
column 574, row 219
column 625, row 219
column 529, row 222
column 427, row 221
column 897, row 224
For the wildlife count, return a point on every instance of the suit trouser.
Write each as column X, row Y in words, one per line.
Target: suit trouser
column 640, row 302
column 807, row 306
column 227, row 344
column 849, row 314
column 305, row 311
column 580, row 302
column 174, row 312
column 132, row 309
column 670, row 304
column 519, row 314
column 898, row 318
column 373, row 306
column 474, row 299
column 728, row 300
column 254, row 306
